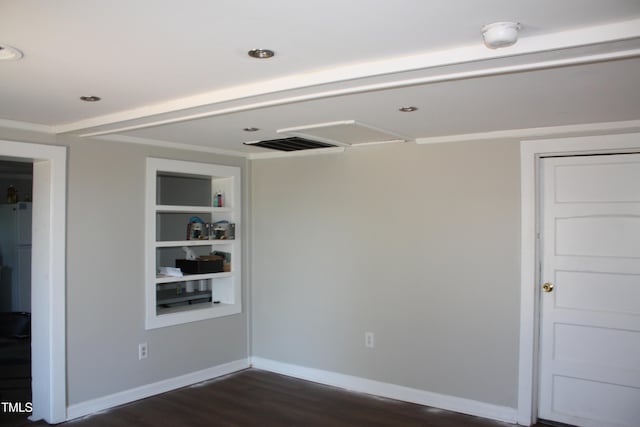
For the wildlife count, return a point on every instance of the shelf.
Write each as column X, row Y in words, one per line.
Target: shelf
column 176, row 243
column 170, row 296
column 171, row 279
column 190, row 209
column 175, row 191
column 200, row 306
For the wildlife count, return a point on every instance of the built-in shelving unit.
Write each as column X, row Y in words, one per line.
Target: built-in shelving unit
column 177, row 191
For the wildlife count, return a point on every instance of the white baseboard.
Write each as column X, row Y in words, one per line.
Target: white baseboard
column 392, row 391
column 101, row 403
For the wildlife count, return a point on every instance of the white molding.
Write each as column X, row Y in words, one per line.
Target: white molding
column 48, row 276
column 530, row 153
column 212, row 150
column 368, row 144
column 34, row 127
column 168, row 144
column 463, row 54
column 391, row 391
column 364, row 88
column 549, row 131
column 539, row 132
column 301, row 153
column 101, row 403
column 523, row 133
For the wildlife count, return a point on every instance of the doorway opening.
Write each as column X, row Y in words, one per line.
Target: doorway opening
column 48, row 287
column 15, row 285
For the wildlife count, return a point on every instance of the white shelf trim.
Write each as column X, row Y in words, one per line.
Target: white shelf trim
column 188, row 277
column 188, row 209
column 200, row 306
column 178, row 243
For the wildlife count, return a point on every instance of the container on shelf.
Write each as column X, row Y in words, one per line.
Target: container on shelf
column 201, row 266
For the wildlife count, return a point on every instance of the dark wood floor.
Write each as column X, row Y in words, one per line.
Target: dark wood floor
column 15, row 362
column 258, row 398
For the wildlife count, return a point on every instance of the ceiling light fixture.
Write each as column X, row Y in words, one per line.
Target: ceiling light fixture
column 261, row 53
column 251, row 129
column 500, row 34
column 90, row 98
column 409, row 109
column 9, row 53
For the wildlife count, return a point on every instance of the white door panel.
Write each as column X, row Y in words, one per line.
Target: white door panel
column 616, row 348
column 580, row 291
column 598, row 182
column 600, row 236
column 575, row 396
column 590, row 322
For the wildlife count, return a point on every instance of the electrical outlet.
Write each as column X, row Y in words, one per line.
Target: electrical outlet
column 143, row 351
column 368, row 339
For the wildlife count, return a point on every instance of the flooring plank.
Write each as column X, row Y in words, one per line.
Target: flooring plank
column 259, row 398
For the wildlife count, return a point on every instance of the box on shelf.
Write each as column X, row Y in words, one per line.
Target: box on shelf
column 226, row 256
column 210, row 264
column 222, row 230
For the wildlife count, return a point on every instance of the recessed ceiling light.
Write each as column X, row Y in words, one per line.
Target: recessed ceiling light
column 409, row 109
column 261, row 53
column 251, row 129
column 90, row 98
column 9, row 53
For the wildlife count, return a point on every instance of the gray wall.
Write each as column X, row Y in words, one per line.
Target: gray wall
column 105, row 276
column 418, row 244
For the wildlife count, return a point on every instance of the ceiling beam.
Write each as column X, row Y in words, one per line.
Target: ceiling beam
column 311, row 82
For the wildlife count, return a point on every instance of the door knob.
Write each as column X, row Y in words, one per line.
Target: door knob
column 547, row 287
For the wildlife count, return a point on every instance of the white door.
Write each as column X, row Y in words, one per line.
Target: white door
column 590, row 321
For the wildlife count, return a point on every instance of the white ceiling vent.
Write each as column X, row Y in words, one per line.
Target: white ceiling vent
column 344, row 133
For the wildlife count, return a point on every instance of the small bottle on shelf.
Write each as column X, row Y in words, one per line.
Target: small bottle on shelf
column 12, row 195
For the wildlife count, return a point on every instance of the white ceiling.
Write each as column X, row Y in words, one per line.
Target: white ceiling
column 178, row 72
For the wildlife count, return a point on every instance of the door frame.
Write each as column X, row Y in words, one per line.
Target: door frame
column 48, row 276
column 530, row 154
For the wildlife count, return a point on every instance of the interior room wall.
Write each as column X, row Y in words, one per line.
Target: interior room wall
column 418, row 244
column 105, row 276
